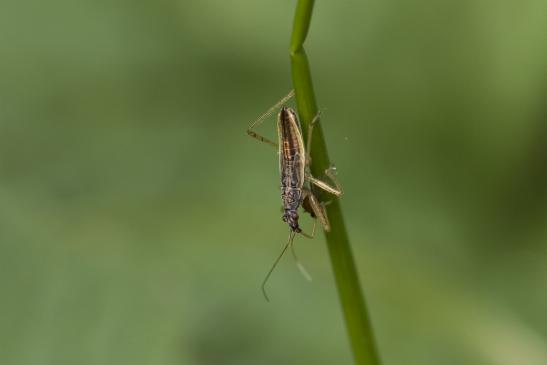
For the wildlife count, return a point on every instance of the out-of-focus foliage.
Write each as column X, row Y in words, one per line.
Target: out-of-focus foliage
column 137, row 219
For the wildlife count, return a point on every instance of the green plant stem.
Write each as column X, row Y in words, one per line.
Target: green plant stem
column 347, row 281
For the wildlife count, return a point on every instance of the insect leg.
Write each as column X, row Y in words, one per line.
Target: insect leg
column 335, row 190
column 317, row 210
column 310, row 134
column 260, row 120
column 312, row 235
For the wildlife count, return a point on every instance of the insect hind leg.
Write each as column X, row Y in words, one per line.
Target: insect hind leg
column 263, row 117
column 310, row 134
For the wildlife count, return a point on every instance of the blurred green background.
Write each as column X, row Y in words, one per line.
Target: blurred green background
column 137, row 220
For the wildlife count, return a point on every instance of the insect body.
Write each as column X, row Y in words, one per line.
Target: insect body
column 292, row 164
column 296, row 180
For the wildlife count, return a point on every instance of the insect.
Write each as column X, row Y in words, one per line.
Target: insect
column 296, row 179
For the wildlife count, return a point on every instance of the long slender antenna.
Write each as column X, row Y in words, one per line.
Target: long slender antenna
column 272, row 109
column 289, row 242
column 301, row 267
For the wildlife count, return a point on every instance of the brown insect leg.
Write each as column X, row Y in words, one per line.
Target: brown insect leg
column 310, row 134
column 335, row 190
column 260, row 120
column 317, row 210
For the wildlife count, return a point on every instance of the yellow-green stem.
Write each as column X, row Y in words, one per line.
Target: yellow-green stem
column 347, row 281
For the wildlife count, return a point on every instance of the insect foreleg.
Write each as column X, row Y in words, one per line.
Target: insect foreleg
column 318, row 210
column 312, row 235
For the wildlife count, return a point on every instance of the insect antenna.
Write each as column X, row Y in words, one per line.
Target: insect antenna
column 301, row 267
column 289, row 242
